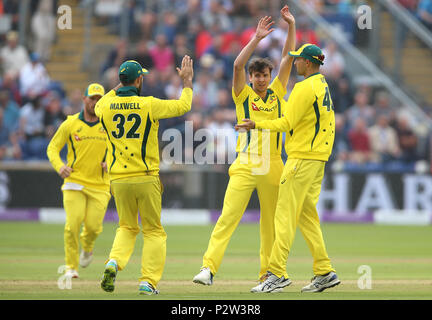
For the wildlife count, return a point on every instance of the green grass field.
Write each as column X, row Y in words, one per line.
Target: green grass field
column 400, row 258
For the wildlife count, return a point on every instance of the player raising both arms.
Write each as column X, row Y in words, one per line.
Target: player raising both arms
column 132, row 123
column 309, row 122
column 86, row 184
column 260, row 101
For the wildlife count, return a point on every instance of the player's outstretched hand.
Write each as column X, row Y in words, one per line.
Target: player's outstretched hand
column 246, row 125
column 65, row 171
column 263, row 28
column 186, row 72
column 287, row 16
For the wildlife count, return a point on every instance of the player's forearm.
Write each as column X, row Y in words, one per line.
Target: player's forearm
column 245, row 54
column 277, row 125
column 53, row 153
column 187, row 83
column 290, row 41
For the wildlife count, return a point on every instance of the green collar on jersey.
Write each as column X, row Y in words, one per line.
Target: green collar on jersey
column 90, row 124
column 127, row 91
column 269, row 91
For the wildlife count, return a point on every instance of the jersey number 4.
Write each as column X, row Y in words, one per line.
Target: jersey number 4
column 131, row 134
column 327, row 102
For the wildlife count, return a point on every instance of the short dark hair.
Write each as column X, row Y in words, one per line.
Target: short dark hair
column 259, row 64
column 125, row 81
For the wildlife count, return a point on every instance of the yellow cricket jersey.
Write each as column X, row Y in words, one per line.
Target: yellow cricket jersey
column 308, row 120
column 87, row 149
column 131, row 123
column 249, row 105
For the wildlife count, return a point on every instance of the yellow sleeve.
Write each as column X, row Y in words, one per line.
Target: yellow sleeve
column 103, row 101
column 278, row 88
column 56, row 145
column 278, row 125
column 242, row 95
column 162, row 109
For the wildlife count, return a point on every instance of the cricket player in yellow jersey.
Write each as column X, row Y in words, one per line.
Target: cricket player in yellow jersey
column 259, row 164
column 131, row 123
column 86, row 183
column 309, row 121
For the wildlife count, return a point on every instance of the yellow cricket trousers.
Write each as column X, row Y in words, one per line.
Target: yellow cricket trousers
column 299, row 189
column 143, row 194
column 88, row 206
column 239, row 190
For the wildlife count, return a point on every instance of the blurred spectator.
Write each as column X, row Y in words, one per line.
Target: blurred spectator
column 11, row 7
column 181, row 49
column 11, row 84
column 152, row 86
column 305, row 34
column 162, row 54
column 147, row 22
column 54, row 115
column 334, row 62
column 168, row 27
column 174, row 88
column 205, row 92
column 216, row 14
column 361, row 151
column 32, row 130
column 74, row 102
column 43, row 25
column 407, row 140
column 360, row 109
column 424, row 13
column 34, row 79
column 341, row 93
column 9, row 147
column 142, row 55
column 341, row 143
column 383, row 106
column 116, row 56
column 245, row 8
column 13, row 56
column 316, row 5
column 10, row 111
column 384, row 140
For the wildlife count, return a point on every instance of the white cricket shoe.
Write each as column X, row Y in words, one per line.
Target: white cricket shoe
column 71, row 273
column 85, row 258
column 320, row 283
column 272, row 284
column 205, row 277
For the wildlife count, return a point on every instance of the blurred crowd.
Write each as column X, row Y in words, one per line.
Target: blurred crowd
column 371, row 129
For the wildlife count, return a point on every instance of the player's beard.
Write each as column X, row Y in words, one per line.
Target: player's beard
column 90, row 111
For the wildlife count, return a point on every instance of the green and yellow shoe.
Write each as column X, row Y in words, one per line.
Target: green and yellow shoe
column 109, row 276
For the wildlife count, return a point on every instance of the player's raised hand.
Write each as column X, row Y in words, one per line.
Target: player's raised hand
column 247, row 124
column 186, row 72
column 287, row 15
column 65, row 171
column 264, row 27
